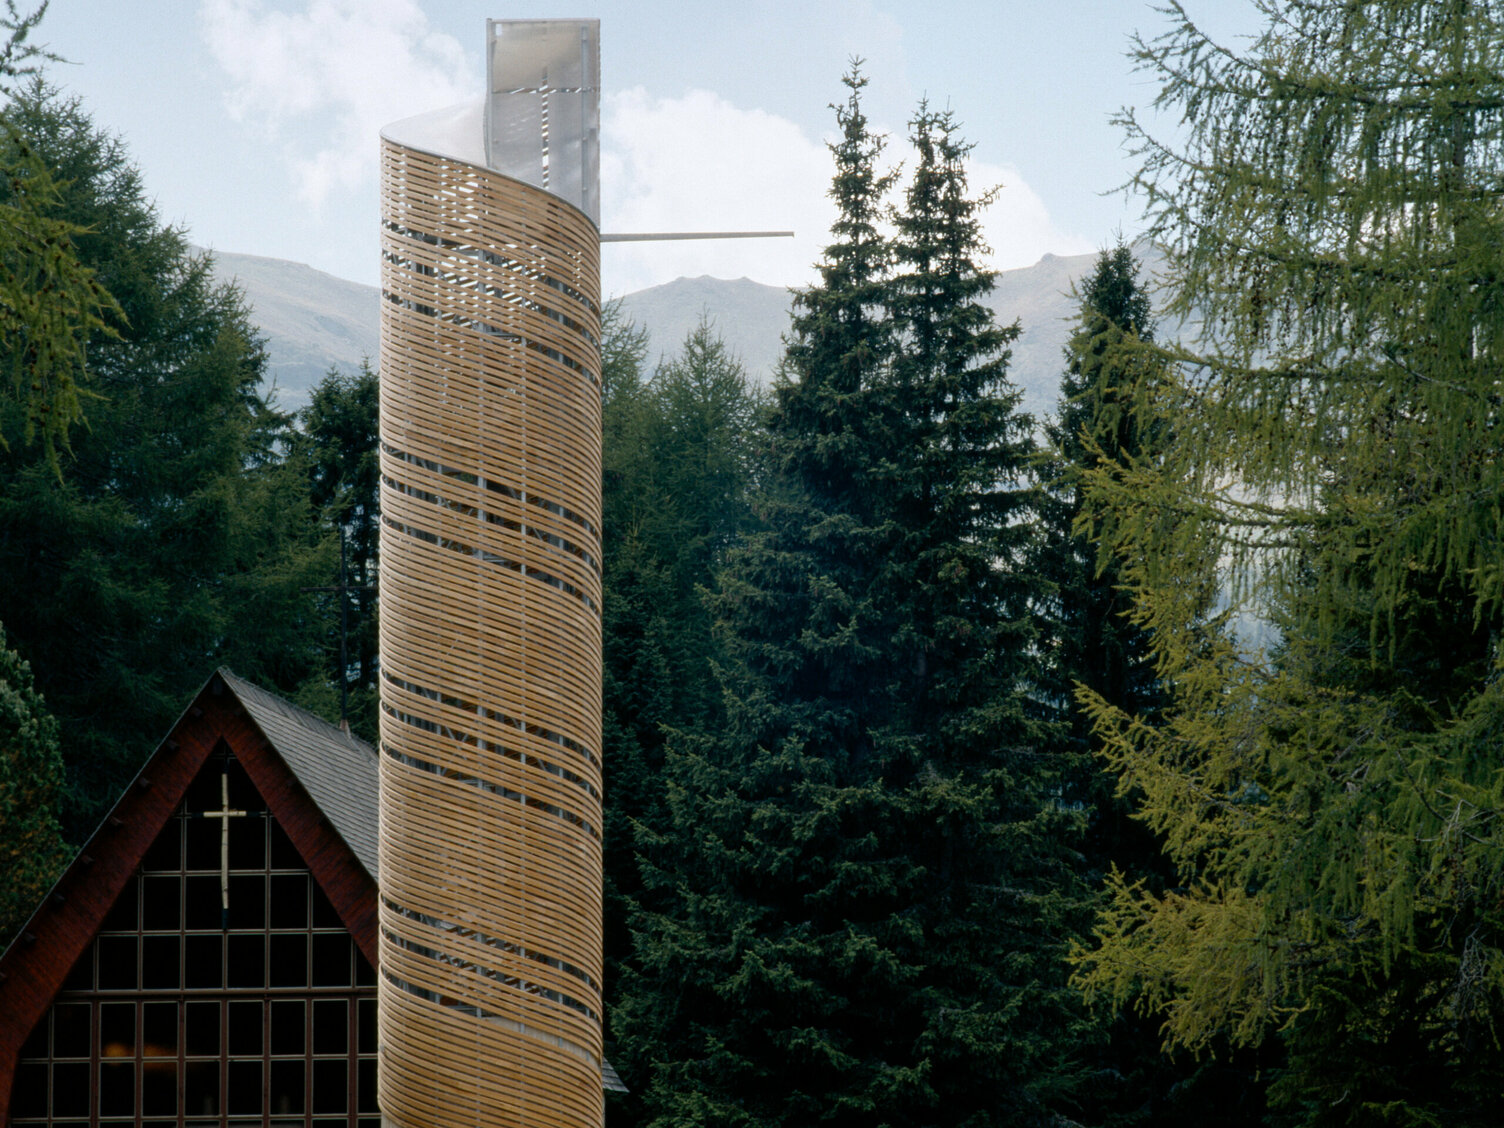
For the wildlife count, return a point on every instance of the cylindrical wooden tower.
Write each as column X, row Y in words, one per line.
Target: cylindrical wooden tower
column 490, row 864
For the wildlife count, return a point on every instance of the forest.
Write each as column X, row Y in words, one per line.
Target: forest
column 1136, row 765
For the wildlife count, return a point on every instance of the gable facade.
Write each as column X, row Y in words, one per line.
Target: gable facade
column 207, row 958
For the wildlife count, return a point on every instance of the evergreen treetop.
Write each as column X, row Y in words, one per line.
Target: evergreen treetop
column 861, row 883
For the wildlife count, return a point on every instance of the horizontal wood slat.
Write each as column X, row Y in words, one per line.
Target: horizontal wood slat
column 490, row 852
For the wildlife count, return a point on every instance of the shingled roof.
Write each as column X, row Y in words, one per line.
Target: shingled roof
column 339, row 770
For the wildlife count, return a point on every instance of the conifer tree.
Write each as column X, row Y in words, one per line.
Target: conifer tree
column 1107, row 415
column 1331, row 801
column 338, row 446
column 677, row 455
column 863, row 884
column 1108, row 381
column 31, row 783
column 171, row 536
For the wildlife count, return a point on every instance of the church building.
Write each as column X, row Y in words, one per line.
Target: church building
column 208, row 957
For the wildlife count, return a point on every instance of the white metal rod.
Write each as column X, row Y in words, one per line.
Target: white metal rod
column 655, row 236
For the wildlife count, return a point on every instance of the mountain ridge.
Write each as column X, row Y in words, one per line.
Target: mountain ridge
column 313, row 321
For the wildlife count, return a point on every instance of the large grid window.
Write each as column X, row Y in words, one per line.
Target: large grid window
column 221, row 989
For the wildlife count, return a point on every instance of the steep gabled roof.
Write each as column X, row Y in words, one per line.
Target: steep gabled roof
column 339, row 770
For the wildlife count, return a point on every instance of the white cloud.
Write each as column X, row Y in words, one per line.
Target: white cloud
column 699, row 163
column 322, row 79
column 1017, row 226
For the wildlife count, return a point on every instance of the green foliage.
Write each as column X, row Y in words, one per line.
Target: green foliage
column 1331, row 802
column 50, row 302
column 677, row 455
column 1089, row 644
column 32, row 854
column 857, row 900
column 1090, row 641
column 338, row 448
column 176, row 536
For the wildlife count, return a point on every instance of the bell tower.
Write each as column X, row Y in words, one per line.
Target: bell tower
column 490, row 855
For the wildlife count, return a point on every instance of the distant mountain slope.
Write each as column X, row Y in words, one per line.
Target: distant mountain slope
column 750, row 317
column 313, row 320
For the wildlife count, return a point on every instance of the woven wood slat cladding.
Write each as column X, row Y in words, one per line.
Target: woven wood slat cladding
column 490, row 652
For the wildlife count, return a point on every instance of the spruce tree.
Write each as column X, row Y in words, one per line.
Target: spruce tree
column 337, row 445
column 863, row 883
column 1330, row 795
column 1093, row 642
column 1107, row 415
column 677, row 456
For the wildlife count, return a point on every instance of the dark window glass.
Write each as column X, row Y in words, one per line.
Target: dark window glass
column 30, row 1097
column 71, row 1036
column 247, row 959
column 290, row 900
column 201, row 1029
column 35, row 1045
column 117, row 1030
column 205, row 842
column 159, row 903
column 243, row 793
column 245, row 1027
column 117, row 963
column 243, row 1080
column 290, row 960
column 331, row 959
column 324, row 915
column 365, row 1018
column 288, row 1029
column 204, row 792
column 330, row 1085
column 159, row 962
column 117, row 1088
column 202, row 963
column 248, row 842
column 366, row 1071
column 81, row 978
column 286, row 1087
column 159, row 1087
column 159, row 1028
column 70, row 1089
column 122, row 914
column 365, row 974
column 166, row 852
column 248, row 900
column 284, row 854
column 331, row 1026
column 203, row 900
column 201, row 1089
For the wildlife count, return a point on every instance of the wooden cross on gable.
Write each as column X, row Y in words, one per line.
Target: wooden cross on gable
column 224, row 815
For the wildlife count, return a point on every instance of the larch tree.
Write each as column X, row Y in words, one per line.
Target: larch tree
column 863, row 878
column 171, row 536
column 1108, row 415
column 1331, row 797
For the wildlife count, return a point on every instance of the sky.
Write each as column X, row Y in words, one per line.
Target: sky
column 255, row 123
